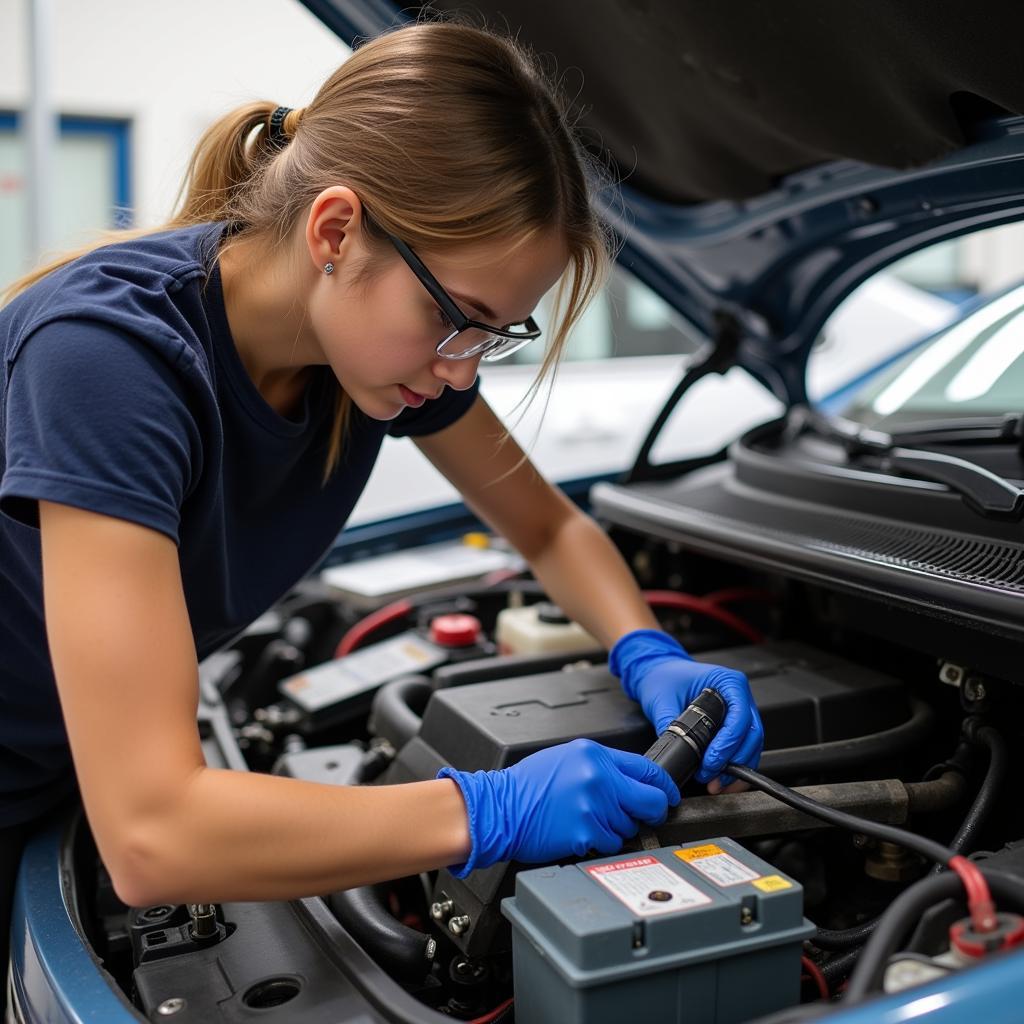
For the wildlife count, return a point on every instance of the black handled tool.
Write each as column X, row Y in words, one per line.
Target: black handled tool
column 680, row 748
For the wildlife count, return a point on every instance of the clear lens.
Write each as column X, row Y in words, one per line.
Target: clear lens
column 472, row 341
column 465, row 344
column 506, row 347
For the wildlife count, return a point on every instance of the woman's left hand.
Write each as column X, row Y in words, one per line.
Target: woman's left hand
column 657, row 672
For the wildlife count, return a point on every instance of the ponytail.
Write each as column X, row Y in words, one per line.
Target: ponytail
column 227, row 160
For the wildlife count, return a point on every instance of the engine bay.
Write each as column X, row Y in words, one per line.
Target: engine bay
column 478, row 675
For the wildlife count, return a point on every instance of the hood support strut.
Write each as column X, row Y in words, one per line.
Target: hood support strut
column 727, row 334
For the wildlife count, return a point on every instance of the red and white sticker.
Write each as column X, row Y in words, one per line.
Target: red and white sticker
column 647, row 886
column 715, row 864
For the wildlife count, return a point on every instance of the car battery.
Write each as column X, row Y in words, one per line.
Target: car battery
column 704, row 933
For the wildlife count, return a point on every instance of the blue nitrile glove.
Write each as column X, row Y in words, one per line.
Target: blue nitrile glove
column 658, row 673
column 568, row 799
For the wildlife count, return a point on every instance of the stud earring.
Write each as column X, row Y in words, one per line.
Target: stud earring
column 328, row 268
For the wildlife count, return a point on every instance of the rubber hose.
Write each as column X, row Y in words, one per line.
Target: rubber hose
column 397, row 707
column 903, row 915
column 399, row 949
column 838, row 939
column 851, row 752
column 998, row 765
column 839, row 967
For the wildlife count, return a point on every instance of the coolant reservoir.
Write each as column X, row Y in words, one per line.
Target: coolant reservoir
column 541, row 629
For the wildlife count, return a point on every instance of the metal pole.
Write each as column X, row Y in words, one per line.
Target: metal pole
column 42, row 129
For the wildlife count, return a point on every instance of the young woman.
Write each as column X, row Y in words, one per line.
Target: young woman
column 189, row 416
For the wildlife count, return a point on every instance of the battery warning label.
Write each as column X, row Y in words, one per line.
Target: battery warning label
column 715, row 864
column 647, row 886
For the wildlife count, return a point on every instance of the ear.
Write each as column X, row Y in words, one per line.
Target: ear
column 334, row 226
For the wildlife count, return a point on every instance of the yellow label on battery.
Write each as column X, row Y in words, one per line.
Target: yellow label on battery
column 697, row 852
column 772, row 883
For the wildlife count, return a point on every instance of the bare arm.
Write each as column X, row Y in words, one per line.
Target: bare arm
column 569, row 553
column 169, row 828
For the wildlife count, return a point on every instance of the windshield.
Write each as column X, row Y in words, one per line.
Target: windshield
column 973, row 368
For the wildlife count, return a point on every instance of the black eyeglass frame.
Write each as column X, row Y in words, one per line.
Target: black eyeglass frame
column 498, row 347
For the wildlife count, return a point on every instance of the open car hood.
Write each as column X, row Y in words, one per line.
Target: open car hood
column 775, row 156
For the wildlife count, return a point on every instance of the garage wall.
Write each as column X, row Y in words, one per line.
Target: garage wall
column 170, row 67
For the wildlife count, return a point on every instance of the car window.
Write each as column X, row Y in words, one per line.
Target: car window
column 975, row 367
column 877, row 348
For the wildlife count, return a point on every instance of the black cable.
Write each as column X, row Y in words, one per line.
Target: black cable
column 919, row 844
column 998, row 765
column 977, row 735
column 904, row 914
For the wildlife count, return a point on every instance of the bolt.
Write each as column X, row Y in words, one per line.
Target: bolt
column 974, row 689
column 169, row 1007
column 951, row 674
column 204, row 920
column 439, row 911
column 860, row 841
column 457, row 925
column 746, row 915
column 470, row 969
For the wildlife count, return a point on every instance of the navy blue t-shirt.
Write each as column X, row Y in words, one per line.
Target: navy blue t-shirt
column 122, row 393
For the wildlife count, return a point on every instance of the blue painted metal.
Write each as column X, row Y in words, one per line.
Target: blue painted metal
column 361, row 20
column 780, row 264
column 56, row 980
column 430, row 526
column 118, row 133
column 989, row 993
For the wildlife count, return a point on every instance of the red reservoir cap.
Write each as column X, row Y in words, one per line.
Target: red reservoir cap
column 455, row 630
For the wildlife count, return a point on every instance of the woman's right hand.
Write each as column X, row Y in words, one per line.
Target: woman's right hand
column 565, row 800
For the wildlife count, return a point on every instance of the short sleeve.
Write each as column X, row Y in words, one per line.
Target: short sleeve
column 434, row 415
column 98, row 419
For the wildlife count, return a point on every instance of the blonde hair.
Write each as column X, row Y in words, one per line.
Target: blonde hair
column 449, row 134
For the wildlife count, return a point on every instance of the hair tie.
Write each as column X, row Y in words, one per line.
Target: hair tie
column 275, row 130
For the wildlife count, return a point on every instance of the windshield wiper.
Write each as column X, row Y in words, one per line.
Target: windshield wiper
column 982, row 490
column 1005, row 429
column 857, row 439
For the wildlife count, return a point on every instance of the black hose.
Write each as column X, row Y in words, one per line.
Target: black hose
column 998, row 765
column 852, row 752
column 838, row 967
column 399, row 949
column 838, row 939
column 904, row 914
column 397, row 707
